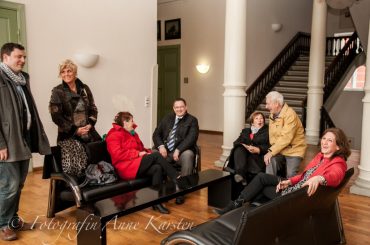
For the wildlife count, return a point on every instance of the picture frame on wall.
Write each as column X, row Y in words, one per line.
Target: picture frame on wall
column 172, row 29
column 158, row 30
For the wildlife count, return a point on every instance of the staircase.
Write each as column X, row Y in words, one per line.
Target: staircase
column 293, row 85
column 288, row 74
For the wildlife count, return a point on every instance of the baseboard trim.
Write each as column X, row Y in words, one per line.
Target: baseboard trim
column 211, row 132
column 37, row 169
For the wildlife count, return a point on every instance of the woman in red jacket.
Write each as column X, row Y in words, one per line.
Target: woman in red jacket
column 131, row 159
column 327, row 168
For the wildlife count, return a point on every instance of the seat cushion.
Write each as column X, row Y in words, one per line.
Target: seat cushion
column 95, row 193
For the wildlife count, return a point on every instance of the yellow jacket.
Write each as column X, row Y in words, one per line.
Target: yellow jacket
column 287, row 134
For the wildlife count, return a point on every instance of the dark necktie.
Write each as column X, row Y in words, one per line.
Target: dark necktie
column 171, row 138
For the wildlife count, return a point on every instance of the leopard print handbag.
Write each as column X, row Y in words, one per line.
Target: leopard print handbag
column 74, row 157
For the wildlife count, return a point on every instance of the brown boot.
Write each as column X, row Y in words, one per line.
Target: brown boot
column 7, row 234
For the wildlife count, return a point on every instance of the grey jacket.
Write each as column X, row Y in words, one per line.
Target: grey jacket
column 12, row 126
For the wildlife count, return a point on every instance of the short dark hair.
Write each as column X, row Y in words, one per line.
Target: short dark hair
column 121, row 117
column 8, row 48
column 342, row 142
column 179, row 99
column 254, row 114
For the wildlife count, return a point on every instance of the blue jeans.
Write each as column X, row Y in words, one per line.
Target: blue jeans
column 12, row 178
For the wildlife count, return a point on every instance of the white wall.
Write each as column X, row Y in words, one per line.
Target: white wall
column 337, row 22
column 202, row 38
column 347, row 115
column 263, row 44
column 123, row 33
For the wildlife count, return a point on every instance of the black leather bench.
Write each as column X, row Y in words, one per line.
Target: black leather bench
column 291, row 219
column 64, row 188
column 92, row 219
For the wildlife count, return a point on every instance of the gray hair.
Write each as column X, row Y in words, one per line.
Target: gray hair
column 275, row 96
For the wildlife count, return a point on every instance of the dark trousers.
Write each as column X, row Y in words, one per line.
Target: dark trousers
column 241, row 161
column 155, row 166
column 264, row 184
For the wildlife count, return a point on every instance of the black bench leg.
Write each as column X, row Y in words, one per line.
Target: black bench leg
column 219, row 194
column 340, row 224
column 51, row 204
column 90, row 229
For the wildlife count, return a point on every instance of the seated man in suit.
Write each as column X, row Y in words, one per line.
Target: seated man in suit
column 176, row 137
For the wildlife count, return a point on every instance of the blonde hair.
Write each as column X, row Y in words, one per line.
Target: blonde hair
column 68, row 64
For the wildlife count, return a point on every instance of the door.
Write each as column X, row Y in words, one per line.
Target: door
column 8, row 26
column 168, row 78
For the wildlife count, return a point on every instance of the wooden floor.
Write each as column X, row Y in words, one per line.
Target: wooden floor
column 149, row 227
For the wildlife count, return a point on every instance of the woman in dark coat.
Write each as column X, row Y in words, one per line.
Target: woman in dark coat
column 72, row 106
column 246, row 157
column 73, row 110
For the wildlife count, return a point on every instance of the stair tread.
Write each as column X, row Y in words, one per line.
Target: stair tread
column 291, row 89
column 295, row 78
column 292, row 84
column 297, row 73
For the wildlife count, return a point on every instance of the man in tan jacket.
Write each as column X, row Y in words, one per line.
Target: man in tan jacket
column 286, row 134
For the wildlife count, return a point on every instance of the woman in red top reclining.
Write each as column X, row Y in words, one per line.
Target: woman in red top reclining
column 327, row 168
column 132, row 160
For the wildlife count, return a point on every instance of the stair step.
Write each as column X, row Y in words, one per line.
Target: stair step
column 307, row 58
column 291, row 90
column 294, row 96
column 297, row 73
column 295, row 78
column 301, row 62
column 330, row 58
column 307, row 62
column 303, row 58
column 296, row 103
column 298, row 84
column 298, row 68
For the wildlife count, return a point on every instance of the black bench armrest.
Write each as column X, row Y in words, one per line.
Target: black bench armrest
column 72, row 183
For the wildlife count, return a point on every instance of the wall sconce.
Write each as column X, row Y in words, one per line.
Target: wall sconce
column 86, row 60
column 340, row 4
column 276, row 27
column 202, row 68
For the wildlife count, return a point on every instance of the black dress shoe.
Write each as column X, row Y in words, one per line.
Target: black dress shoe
column 180, row 200
column 160, row 208
column 231, row 206
column 182, row 184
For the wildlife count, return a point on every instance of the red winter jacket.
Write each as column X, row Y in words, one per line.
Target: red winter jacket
column 124, row 150
column 333, row 170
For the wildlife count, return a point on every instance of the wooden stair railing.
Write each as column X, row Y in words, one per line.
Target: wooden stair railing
column 334, row 73
column 256, row 93
column 338, row 67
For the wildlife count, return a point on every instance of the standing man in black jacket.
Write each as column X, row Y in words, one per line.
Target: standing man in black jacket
column 21, row 133
column 176, row 137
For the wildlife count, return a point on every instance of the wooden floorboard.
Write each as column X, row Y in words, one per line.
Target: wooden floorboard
column 150, row 227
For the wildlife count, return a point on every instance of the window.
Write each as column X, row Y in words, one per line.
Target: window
column 357, row 81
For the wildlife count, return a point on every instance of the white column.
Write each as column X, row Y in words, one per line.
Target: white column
column 362, row 183
column 316, row 71
column 234, row 74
